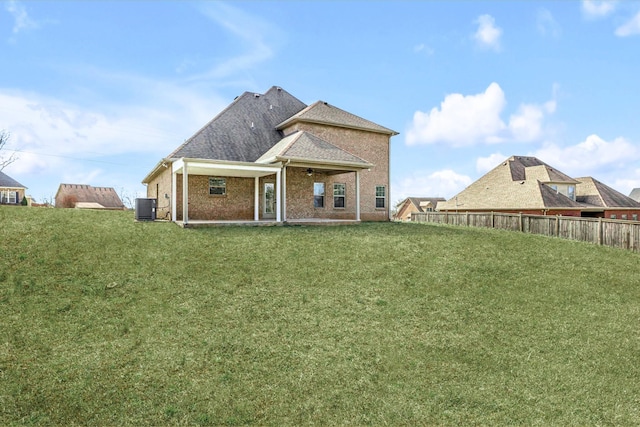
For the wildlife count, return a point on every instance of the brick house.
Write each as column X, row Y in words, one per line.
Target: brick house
column 416, row 204
column 11, row 191
column 269, row 157
column 530, row 186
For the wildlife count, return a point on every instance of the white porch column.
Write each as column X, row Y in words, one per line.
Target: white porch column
column 357, row 195
column 256, row 199
column 185, row 194
column 278, row 196
column 284, row 193
column 174, row 194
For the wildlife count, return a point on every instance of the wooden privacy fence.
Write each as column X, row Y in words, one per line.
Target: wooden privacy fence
column 600, row 231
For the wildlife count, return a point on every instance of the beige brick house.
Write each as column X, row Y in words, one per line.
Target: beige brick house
column 269, row 157
column 530, row 186
column 11, row 191
column 414, row 205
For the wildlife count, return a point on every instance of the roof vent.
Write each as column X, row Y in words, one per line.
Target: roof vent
column 252, row 126
column 270, row 106
column 257, row 95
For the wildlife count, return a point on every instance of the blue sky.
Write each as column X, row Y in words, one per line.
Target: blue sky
column 98, row 92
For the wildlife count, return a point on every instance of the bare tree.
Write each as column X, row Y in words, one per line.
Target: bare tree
column 6, row 160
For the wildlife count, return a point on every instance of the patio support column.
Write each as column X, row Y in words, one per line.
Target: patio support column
column 256, row 199
column 174, row 195
column 278, row 196
column 185, row 193
column 357, row 195
column 284, row 193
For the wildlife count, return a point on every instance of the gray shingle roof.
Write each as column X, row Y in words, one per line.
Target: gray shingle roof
column 635, row 194
column 243, row 131
column 306, row 146
column 7, row 182
column 322, row 112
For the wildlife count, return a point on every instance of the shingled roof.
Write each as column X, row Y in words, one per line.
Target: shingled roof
column 88, row 197
column 523, row 183
column 7, row 182
column 325, row 113
column 304, row 146
column 243, row 131
column 593, row 192
column 519, row 182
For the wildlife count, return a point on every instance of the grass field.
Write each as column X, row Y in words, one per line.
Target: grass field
column 105, row 321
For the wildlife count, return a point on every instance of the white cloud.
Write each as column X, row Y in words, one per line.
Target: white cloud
column 424, row 49
column 591, row 156
column 444, row 183
column 46, row 130
column 485, row 164
column 475, row 119
column 547, row 25
column 258, row 37
column 630, row 28
column 22, row 21
column 597, row 9
column 488, row 34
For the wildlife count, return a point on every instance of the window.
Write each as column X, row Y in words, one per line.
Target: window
column 613, row 216
column 338, row 195
column 624, row 216
column 8, row 197
column 634, row 217
column 380, row 196
column 217, row 186
column 318, row 194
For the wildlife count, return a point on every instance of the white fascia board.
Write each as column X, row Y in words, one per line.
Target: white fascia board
column 248, row 168
column 302, row 162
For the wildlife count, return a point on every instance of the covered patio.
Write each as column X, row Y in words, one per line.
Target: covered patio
column 277, row 168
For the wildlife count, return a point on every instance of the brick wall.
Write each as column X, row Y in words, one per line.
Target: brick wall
column 370, row 146
column 238, row 204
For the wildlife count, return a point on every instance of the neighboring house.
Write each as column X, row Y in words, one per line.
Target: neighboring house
column 11, row 191
column 530, row 186
column 272, row 157
column 87, row 197
column 416, row 204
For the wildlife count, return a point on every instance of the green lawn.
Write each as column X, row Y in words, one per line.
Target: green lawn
column 107, row 321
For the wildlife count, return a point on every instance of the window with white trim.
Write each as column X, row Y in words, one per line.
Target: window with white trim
column 339, row 192
column 381, row 191
column 318, row 194
column 217, row 186
column 7, row 196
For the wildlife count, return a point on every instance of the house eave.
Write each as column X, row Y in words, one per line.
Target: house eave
column 294, row 120
column 305, row 162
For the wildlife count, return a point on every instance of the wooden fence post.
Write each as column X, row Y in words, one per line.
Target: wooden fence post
column 599, row 230
column 521, row 225
column 557, row 225
column 493, row 221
